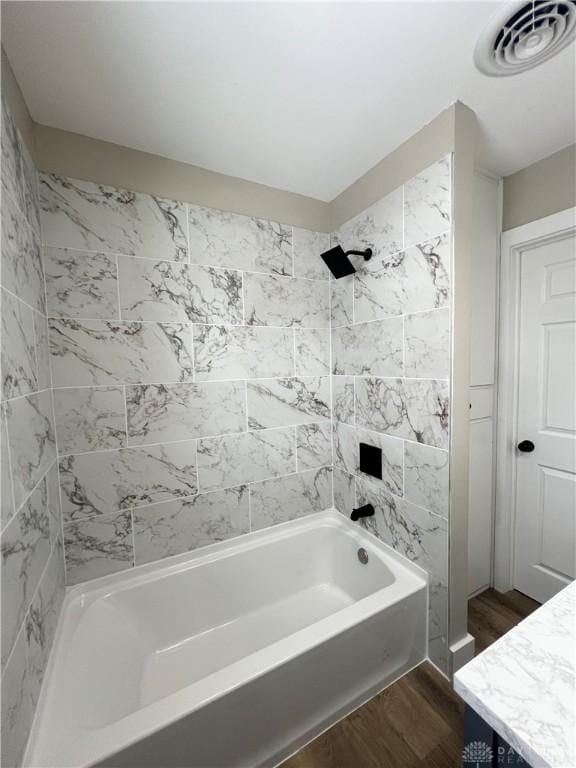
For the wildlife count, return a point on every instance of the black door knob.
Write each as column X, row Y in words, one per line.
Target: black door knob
column 526, row 446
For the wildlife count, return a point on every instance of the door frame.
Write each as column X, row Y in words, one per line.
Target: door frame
column 513, row 242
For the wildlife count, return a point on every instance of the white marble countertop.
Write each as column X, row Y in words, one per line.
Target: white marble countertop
column 524, row 684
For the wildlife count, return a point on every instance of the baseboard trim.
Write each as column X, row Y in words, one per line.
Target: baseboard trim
column 461, row 653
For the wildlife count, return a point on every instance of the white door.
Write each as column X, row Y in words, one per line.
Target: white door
column 545, row 534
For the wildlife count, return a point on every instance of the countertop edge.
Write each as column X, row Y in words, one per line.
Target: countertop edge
column 507, row 733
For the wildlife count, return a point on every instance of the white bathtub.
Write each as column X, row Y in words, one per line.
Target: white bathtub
column 233, row 655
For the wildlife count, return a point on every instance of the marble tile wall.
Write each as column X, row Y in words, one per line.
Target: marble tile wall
column 174, row 376
column 32, row 567
column 190, row 355
column 390, row 341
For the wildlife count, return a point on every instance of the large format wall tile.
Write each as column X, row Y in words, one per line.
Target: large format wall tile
column 410, row 281
column 281, row 402
column 89, row 419
column 41, row 622
column 427, row 203
column 81, row 284
column 426, row 477
column 344, row 491
column 378, row 227
column 31, row 441
column 12, row 182
column 273, row 300
column 6, row 497
column 343, row 399
column 238, row 353
column 25, row 550
column 18, row 354
column 161, row 530
column 232, row 460
column 314, row 445
column 342, row 302
column 42, row 351
column 31, row 194
column 55, row 510
column 423, row 538
column 427, row 344
column 169, row 412
column 415, row 409
column 369, row 348
column 19, row 178
column 21, row 259
column 85, row 352
column 312, row 350
column 307, row 247
column 99, row 483
column 87, row 216
column 287, row 498
column 170, row 292
column 98, row 546
column 17, row 710
column 224, row 239
column 347, row 441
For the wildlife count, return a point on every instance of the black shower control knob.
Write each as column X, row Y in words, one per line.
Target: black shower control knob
column 526, row 446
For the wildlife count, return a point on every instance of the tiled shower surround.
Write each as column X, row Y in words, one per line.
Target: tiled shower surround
column 205, row 379
column 391, row 382
column 196, row 358
column 31, row 541
column 190, row 354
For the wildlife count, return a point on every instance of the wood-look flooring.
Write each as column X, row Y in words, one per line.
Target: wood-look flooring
column 418, row 721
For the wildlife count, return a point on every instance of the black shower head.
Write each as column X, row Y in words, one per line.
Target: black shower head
column 337, row 261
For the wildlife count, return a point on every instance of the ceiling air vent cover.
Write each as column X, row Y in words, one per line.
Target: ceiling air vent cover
column 524, row 35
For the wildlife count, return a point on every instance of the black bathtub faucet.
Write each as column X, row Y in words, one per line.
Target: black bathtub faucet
column 366, row 511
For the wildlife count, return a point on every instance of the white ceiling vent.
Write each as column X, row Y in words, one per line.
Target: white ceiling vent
column 524, row 35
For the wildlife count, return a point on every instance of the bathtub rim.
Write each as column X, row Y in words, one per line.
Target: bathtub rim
column 94, row 589
column 159, row 714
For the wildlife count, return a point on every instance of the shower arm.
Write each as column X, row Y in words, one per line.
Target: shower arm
column 367, row 253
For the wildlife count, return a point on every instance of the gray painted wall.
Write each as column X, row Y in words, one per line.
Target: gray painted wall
column 541, row 189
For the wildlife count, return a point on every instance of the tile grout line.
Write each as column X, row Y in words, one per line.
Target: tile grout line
column 4, row 427
column 217, row 436
column 104, row 516
column 22, row 301
column 186, row 322
column 206, row 382
column 88, row 253
column 52, row 396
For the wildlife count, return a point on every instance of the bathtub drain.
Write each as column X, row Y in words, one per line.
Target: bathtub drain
column 362, row 555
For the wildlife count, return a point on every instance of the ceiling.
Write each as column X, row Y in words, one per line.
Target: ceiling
column 300, row 96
